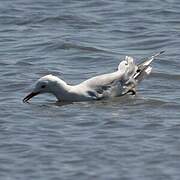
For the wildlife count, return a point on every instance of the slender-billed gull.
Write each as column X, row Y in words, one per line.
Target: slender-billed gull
column 118, row 83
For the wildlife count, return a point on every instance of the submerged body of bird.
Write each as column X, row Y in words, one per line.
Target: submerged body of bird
column 118, row 83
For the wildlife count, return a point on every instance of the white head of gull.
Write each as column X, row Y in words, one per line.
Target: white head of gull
column 118, row 83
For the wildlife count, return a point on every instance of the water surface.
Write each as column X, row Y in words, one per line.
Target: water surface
column 122, row 138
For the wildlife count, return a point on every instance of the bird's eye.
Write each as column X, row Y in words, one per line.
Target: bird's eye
column 126, row 63
column 43, row 86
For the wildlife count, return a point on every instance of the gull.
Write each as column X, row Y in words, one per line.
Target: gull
column 123, row 81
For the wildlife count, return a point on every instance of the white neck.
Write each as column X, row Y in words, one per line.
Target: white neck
column 64, row 92
column 61, row 89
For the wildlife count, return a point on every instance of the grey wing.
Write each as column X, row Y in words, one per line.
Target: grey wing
column 100, row 86
column 110, row 84
column 102, row 80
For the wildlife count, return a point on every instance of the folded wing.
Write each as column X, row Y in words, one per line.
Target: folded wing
column 121, row 82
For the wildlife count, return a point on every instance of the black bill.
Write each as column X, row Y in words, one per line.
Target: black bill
column 29, row 96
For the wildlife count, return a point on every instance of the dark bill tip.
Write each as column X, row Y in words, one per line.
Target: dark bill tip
column 29, row 96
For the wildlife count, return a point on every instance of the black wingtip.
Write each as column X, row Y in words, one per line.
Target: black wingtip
column 161, row 52
column 158, row 54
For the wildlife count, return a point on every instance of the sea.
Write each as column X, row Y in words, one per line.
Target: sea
column 123, row 138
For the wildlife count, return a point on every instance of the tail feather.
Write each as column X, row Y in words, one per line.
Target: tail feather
column 143, row 69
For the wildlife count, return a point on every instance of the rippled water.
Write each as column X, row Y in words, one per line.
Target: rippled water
column 123, row 138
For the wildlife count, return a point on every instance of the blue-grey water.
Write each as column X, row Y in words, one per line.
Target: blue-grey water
column 130, row 138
